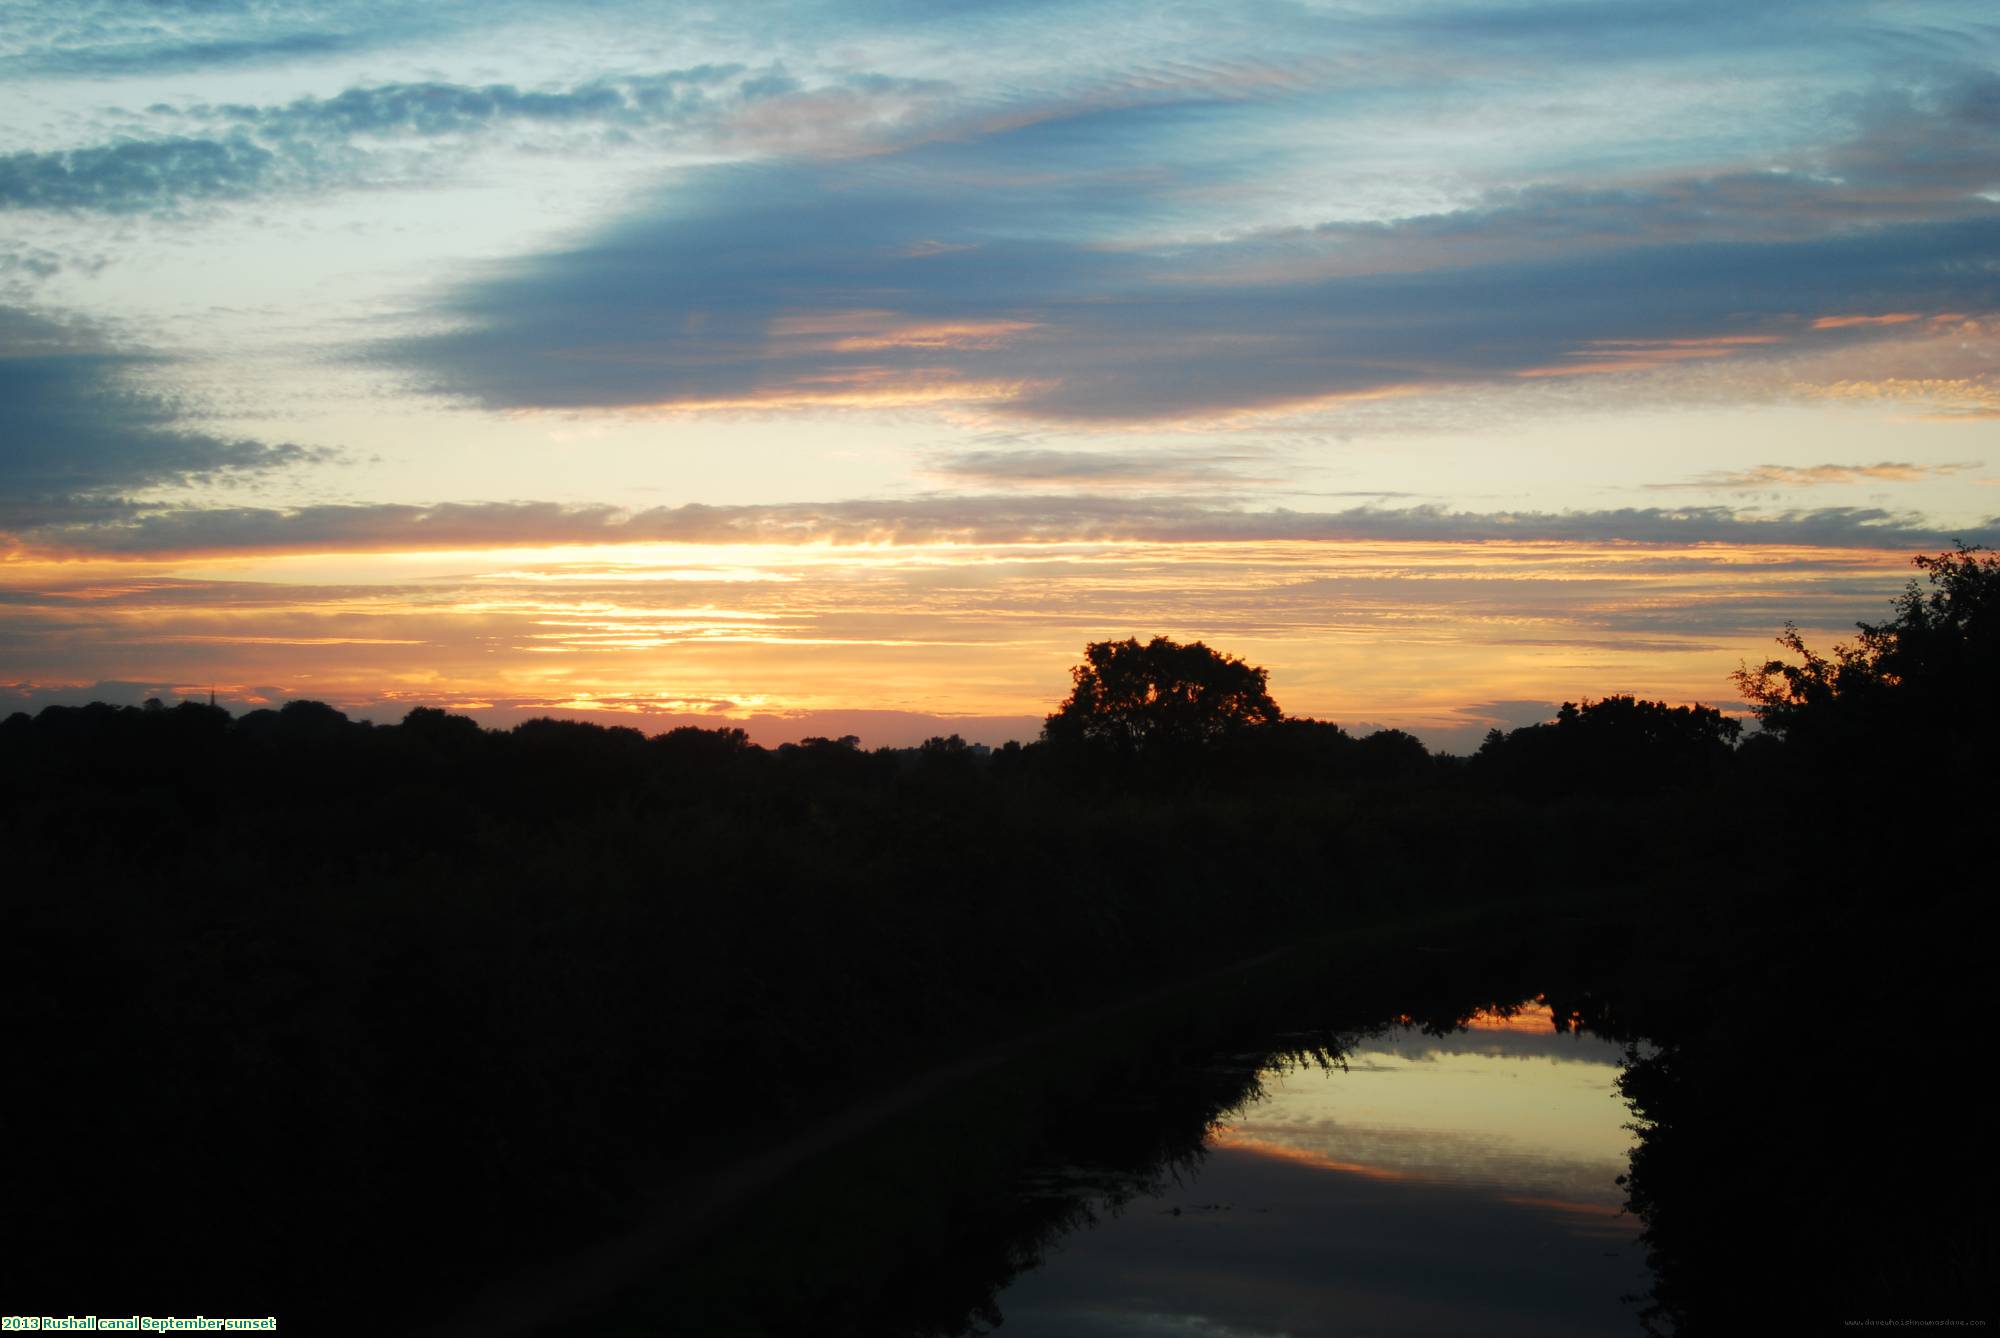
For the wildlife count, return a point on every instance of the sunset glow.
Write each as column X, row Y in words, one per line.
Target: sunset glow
column 1445, row 639
column 804, row 372
column 1532, row 1019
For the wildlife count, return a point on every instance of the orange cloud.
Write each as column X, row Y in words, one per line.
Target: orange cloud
column 866, row 330
column 944, row 334
column 1236, row 1139
column 1946, row 397
column 1844, row 322
column 863, row 388
column 1603, row 356
column 1589, row 1210
column 1807, row 476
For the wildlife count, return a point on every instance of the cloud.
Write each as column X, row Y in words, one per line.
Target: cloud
column 101, row 38
column 137, row 175
column 79, row 433
column 720, row 293
column 1091, row 469
column 399, row 133
column 1844, row 322
column 699, row 305
column 25, row 269
column 1552, row 219
column 1472, row 722
column 1808, row 476
column 1942, row 397
column 1935, row 137
column 728, row 107
column 33, row 262
column 153, row 57
column 989, row 519
column 437, row 109
column 123, row 38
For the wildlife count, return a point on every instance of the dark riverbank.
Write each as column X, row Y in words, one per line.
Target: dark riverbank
column 421, row 1005
column 916, row 1219
column 1749, row 1097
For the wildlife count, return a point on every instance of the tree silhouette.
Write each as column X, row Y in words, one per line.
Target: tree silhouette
column 1616, row 745
column 1160, row 697
column 1931, row 667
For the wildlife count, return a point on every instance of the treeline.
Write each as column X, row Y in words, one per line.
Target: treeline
column 304, row 1001
column 413, row 1004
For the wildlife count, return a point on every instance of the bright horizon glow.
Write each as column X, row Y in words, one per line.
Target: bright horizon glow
column 1444, row 639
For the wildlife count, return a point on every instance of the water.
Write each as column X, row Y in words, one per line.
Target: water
column 1465, row 1183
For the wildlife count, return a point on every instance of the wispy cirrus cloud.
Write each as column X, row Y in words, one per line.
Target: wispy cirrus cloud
column 383, row 134
column 136, row 38
column 1039, row 468
column 1812, row 476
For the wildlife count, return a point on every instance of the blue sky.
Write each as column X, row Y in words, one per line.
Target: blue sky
column 784, row 287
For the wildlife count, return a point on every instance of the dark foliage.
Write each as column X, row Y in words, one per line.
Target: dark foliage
column 1159, row 700
column 1920, row 684
column 1615, row 746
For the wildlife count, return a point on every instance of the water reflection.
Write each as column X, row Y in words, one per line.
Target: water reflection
column 1465, row 1182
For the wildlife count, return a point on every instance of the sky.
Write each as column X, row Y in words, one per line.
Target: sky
column 847, row 367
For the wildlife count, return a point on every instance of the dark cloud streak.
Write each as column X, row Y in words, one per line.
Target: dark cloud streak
column 78, row 434
column 1087, row 469
column 972, row 519
column 140, row 175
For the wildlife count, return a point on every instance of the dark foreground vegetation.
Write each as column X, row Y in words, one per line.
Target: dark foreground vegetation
column 311, row 1018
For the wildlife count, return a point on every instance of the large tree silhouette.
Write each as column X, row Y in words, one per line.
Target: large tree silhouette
column 1617, row 745
column 1929, row 669
column 1159, row 697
